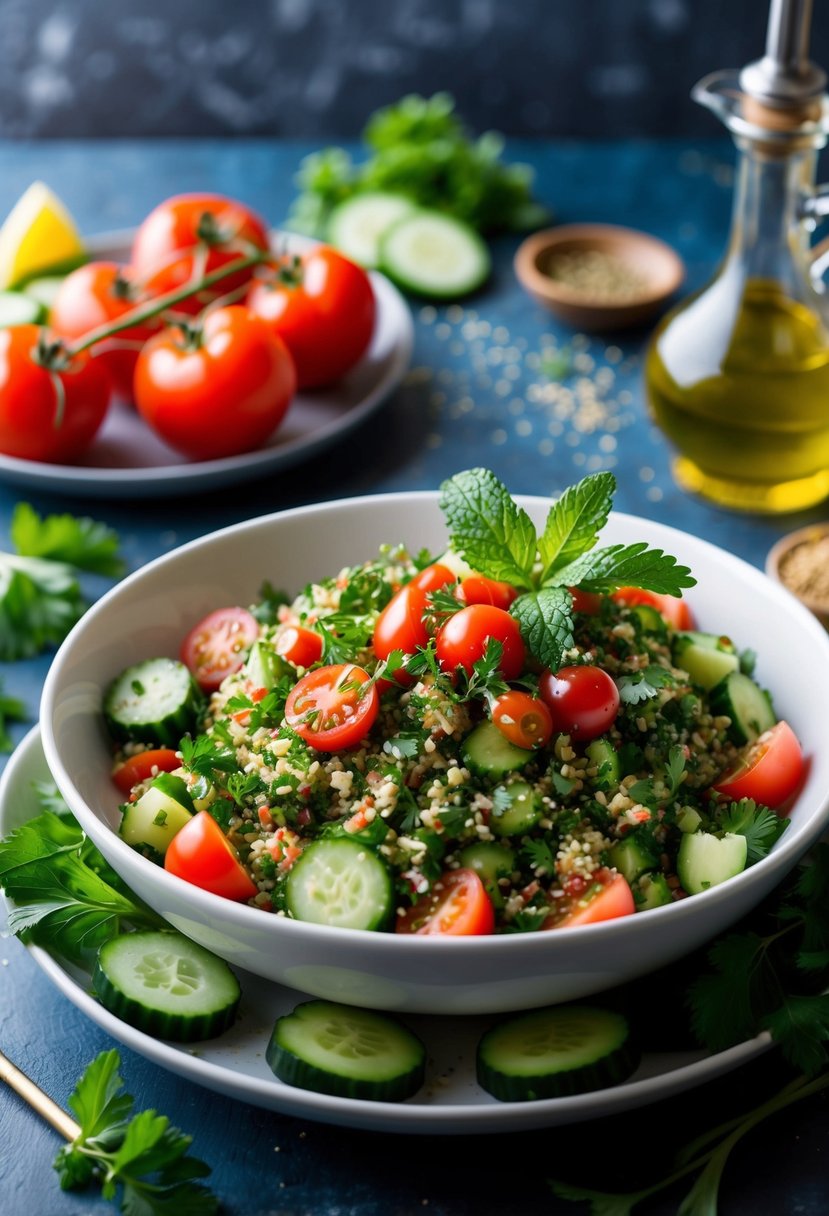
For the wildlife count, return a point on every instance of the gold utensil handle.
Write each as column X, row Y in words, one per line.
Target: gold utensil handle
column 37, row 1099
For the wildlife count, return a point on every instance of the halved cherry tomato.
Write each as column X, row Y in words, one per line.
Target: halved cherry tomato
column 587, row 602
column 477, row 589
column 584, row 701
column 433, row 577
column 674, row 609
column 524, row 720
column 299, row 645
column 457, row 905
column 143, row 765
column 770, row 770
column 334, row 707
column 463, row 639
column 605, row 899
column 201, row 854
column 402, row 625
column 216, row 647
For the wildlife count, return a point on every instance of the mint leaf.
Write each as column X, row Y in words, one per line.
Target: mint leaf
column 575, row 521
column 545, row 618
column 636, row 565
column 761, row 827
column 78, row 541
column 494, row 535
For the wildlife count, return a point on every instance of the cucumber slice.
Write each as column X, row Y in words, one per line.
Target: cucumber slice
column 44, row 290
column 339, row 881
column 746, row 704
column 704, row 860
column 357, row 226
column 156, row 701
column 488, row 753
column 707, row 657
column 490, row 861
column 16, row 308
column 431, row 254
column 352, row 1053
column 633, row 855
column 550, row 1053
column 153, row 819
column 517, row 809
column 166, row 985
column 651, row 891
column 603, row 756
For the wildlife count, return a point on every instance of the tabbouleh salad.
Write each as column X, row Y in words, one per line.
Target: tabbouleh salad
column 524, row 733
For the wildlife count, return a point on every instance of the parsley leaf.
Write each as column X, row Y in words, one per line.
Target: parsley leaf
column 11, row 710
column 652, row 791
column 545, row 618
column 539, row 855
column 642, row 685
column 761, row 827
column 78, row 541
column 488, row 528
column 575, row 521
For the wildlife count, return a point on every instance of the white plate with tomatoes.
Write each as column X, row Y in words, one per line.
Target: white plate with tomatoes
column 127, row 459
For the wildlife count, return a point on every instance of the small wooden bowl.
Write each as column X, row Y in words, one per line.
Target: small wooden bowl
column 781, row 552
column 659, row 269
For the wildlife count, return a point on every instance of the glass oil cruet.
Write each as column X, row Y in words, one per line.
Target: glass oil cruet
column 737, row 375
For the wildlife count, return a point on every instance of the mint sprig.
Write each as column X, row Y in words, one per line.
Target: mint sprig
column 498, row 539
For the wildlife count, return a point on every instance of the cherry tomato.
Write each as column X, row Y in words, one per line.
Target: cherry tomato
column 674, row 609
column 605, row 899
column 480, row 590
column 143, row 765
column 403, row 625
column 166, row 253
column 524, row 720
column 299, row 645
column 322, row 306
column 462, row 641
column 219, row 392
column 217, row 646
column 584, row 701
column 95, row 295
column 201, row 854
column 457, row 905
column 587, row 602
column 333, row 708
column 769, row 771
column 47, row 415
column 433, row 577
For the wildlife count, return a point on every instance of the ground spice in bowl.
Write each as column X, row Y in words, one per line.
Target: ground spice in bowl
column 800, row 562
column 596, row 273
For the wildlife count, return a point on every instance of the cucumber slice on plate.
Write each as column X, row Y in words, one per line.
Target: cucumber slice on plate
column 554, row 1052
column 357, row 226
column 340, row 882
column 352, row 1053
column 166, row 985
column 16, row 308
column 432, row 254
column 155, row 701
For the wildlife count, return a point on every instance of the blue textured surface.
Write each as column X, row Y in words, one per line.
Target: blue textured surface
column 475, row 396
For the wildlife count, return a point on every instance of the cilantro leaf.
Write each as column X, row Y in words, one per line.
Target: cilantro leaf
column 545, row 618
column 644, row 684
column 539, row 855
column 575, row 521
column 605, row 570
column 487, row 528
column 653, row 791
column 801, row 1027
column 78, row 541
column 761, row 827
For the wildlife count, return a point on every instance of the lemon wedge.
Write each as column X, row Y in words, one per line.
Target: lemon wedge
column 38, row 235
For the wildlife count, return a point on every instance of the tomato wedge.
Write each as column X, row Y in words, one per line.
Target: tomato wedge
column 333, row 708
column 299, row 645
column 769, row 771
column 201, row 854
column 674, row 609
column 216, row 647
column 456, row 906
column 143, row 765
column 605, row 900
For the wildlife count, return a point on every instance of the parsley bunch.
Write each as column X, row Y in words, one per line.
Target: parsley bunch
column 498, row 539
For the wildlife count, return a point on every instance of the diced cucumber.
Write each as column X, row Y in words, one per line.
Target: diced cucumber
column 175, row 787
column 550, row 1053
column 18, row 308
column 348, row 1052
column 339, row 881
column 153, row 819
column 44, row 290
column 707, row 657
column 488, row 753
column 155, row 701
column 264, row 667
column 490, row 861
column 650, row 619
column 166, row 985
column 605, row 759
column 746, row 704
column 688, row 819
column 358, row 225
column 651, row 891
column 633, row 855
column 434, row 255
column 517, row 809
column 705, row 860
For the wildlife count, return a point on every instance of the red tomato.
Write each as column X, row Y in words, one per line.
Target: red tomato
column 220, row 392
column 587, row 602
column 433, row 577
column 201, row 854
column 770, row 770
column 165, row 252
column 584, row 701
column 47, row 415
column 674, row 609
column 480, row 590
column 457, row 905
column 463, row 639
column 605, row 899
column 524, row 720
column 97, row 294
column 299, row 645
column 143, row 765
column 333, row 708
column 217, row 646
column 402, row 625
column 323, row 308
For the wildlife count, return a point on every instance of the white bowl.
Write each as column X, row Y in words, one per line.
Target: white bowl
column 148, row 614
